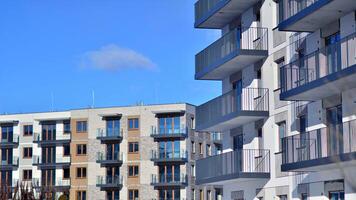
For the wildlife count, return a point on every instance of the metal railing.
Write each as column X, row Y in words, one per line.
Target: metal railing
column 105, row 156
column 13, row 139
column 56, row 160
column 234, row 162
column 320, row 143
column 320, row 63
column 245, row 38
column 13, row 161
column 109, row 180
column 169, row 179
column 249, row 99
column 202, row 7
column 156, row 155
column 216, row 136
column 289, row 8
column 115, row 132
column 62, row 182
column 182, row 130
column 37, row 137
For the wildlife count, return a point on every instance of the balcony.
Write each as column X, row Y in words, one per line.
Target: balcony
column 175, row 134
column 231, row 53
column 109, row 182
column 232, row 110
column 216, row 137
column 310, row 15
column 321, row 149
column 106, row 159
column 218, row 13
column 50, row 140
column 61, row 185
column 59, row 163
column 240, row 165
column 177, row 182
column 12, row 142
column 10, row 164
column 109, row 135
column 179, row 157
column 325, row 72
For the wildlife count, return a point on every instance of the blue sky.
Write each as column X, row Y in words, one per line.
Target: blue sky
column 125, row 51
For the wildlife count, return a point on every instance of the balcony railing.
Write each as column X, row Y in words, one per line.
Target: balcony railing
column 231, row 45
column 216, row 110
column 59, row 159
column 321, row 63
column 37, row 137
column 245, row 163
column 108, row 157
column 13, row 140
column 63, row 182
column 289, row 8
column 109, row 181
column 10, row 162
column 169, row 179
column 108, row 133
column 202, row 7
column 329, row 142
column 175, row 132
column 157, row 156
column 216, row 136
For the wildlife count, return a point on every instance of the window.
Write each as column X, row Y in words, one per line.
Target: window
column 280, row 62
column 27, row 130
column 192, row 123
column 201, row 194
column 66, row 173
column 304, row 196
column 66, row 126
column 81, row 126
column 208, row 149
column 193, row 170
column 259, row 74
column 27, row 174
column 66, row 150
column 81, row 149
column 193, row 147
column 81, row 172
column 133, row 171
column 283, row 197
column 193, row 194
column 27, row 152
column 133, row 194
column 133, row 123
column 169, row 125
column 81, row 195
column 200, row 148
column 281, row 134
column 208, row 195
column 133, row 147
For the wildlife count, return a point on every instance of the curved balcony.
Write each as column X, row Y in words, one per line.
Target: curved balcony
column 218, row 13
column 232, row 110
column 241, row 165
column 231, row 53
column 310, row 15
column 109, row 182
column 325, row 72
column 321, row 149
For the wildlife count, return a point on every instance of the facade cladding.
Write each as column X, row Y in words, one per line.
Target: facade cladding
column 287, row 112
column 134, row 152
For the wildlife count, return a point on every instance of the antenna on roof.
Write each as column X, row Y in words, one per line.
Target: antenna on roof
column 93, row 98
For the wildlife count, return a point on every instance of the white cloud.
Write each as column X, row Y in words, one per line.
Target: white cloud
column 113, row 57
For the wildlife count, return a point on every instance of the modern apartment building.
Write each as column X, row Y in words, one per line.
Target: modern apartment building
column 134, row 152
column 288, row 105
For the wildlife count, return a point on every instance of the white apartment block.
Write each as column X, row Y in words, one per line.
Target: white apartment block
column 134, row 152
column 288, row 105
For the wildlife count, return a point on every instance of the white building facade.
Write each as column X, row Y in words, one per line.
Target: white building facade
column 288, row 105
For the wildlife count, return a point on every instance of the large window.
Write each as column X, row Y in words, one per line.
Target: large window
column 133, row 194
column 82, row 126
column 169, row 173
column 27, row 130
column 113, row 151
column 113, row 127
column 66, row 126
column 66, row 150
column 170, row 149
column 169, row 194
column 6, row 133
column 49, row 132
column 133, row 170
column 133, row 123
column 169, row 125
column 133, row 147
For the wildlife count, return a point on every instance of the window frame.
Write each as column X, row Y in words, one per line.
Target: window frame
column 81, row 173
column 134, row 192
column 134, row 168
column 133, row 145
column 27, row 174
column 81, row 126
column 80, row 149
column 27, row 154
column 27, row 133
column 135, row 123
column 81, row 195
column 64, row 173
column 64, row 154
